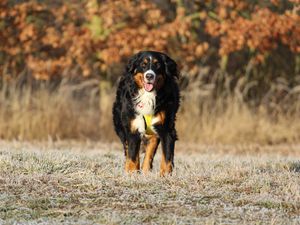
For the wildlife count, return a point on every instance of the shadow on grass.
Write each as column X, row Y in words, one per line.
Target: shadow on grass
column 295, row 167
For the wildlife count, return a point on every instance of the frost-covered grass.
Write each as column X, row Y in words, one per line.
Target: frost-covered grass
column 84, row 183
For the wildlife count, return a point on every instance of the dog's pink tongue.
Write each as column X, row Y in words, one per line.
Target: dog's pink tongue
column 148, row 87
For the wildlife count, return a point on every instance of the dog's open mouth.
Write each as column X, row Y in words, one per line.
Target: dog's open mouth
column 148, row 86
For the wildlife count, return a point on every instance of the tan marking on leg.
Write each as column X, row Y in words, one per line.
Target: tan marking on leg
column 133, row 126
column 165, row 167
column 159, row 118
column 150, row 152
column 131, row 165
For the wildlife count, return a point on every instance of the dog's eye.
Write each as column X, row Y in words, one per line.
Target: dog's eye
column 143, row 65
column 157, row 65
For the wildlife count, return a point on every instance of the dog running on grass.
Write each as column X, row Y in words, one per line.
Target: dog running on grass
column 145, row 110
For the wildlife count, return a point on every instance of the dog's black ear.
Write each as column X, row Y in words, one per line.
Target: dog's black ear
column 133, row 63
column 170, row 66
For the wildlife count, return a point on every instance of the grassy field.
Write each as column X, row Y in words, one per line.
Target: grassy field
column 84, row 183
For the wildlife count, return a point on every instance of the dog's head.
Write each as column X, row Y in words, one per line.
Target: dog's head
column 151, row 70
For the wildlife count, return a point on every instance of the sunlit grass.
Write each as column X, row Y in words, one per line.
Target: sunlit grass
column 85, row 183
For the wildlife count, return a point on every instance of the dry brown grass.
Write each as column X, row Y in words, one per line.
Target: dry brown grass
column 236, row 123
column 71, row 183
column 40, row 115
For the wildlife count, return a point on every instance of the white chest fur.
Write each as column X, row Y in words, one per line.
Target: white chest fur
column 144, row 105
column 145, row 102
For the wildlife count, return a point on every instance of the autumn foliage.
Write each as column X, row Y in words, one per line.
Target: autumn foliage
column 239, row 63
column 95, row 38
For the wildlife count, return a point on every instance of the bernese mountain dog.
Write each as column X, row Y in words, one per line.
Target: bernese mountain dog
column 145, row 108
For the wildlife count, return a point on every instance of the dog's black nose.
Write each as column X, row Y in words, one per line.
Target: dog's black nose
column 149, row 76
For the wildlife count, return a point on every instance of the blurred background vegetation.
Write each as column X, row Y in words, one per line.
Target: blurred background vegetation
column 239, row 60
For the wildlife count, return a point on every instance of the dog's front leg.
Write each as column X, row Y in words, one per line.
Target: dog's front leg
column 168, row 138
column 151, row 147
column 167, row 161
column 132, row 154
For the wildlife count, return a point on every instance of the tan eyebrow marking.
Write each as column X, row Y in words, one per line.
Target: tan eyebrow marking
column 145, row 60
